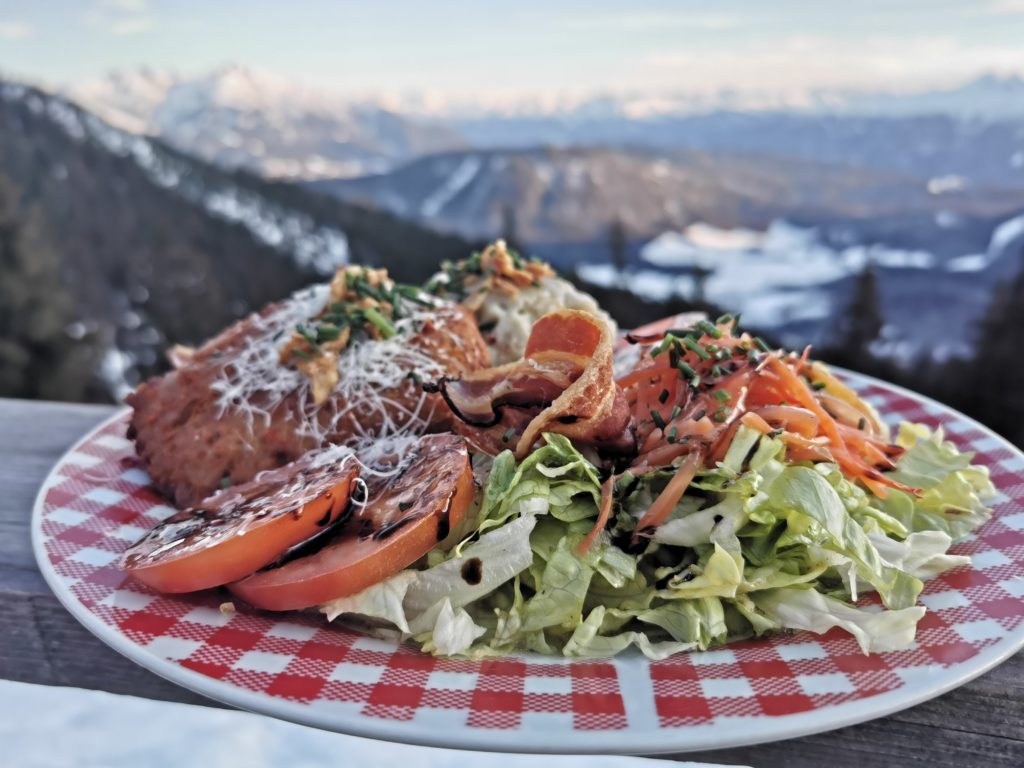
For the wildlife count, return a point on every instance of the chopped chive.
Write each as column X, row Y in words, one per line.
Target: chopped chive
column 713, row 349
column 672, row 434
column 307, row 334
column 675, row 413
column 700, row 415
column 702, row 353
column 381, row 323
column 817, row 386
column 415, row 377
column 686, row 369
column 762, row 344
column 673, row 358
column 509, row 433
column 695, row 381
column 724, row 319
column 663, row 397
column 661, row 347
column 327, row 332
column 722, row 396
column 719, row 415
column 752, row 355
column 716, row 371
column 657, row 419
column 775, row 433
column 709, row 328
column 862, row 423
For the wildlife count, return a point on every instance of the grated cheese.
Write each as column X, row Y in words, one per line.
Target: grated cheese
column 254, row 384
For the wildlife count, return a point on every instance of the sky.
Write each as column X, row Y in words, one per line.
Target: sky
column 470, row 49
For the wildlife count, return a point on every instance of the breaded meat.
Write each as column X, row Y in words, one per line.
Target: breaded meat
column 232, row 408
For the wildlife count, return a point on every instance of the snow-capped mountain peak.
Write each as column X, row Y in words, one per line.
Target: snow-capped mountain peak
column 239, row 116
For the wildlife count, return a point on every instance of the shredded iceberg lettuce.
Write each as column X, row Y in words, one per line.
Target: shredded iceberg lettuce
column 759, row 544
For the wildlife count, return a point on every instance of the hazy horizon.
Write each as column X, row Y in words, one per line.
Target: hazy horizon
column 571, row 51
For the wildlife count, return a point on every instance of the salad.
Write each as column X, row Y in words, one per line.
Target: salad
column 681, row 487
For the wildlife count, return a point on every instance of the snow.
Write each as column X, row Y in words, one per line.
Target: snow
column 784, row 255
column 670, row 249
column 462, row 176
column 320, row 248
column 115, row 370
column 762, row 306
column 241, row 116
column 941, row 184
column 707, row 236
column 972, row 262
column 773, row 278
column 60, row 112
column 1005, row 235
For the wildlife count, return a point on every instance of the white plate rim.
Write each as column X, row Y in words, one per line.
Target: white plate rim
column 721, row 734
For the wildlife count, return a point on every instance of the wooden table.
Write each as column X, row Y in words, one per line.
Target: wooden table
column 981, row 724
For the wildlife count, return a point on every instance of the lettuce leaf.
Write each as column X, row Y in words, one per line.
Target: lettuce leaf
column 759, row 544
column 816, row 514
column 795, row 608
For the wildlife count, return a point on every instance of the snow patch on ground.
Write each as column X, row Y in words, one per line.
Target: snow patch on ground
column 320, row 248
column 462, row 176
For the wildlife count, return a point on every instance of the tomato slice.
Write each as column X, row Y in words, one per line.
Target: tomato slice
column 406, row 514
column 242, row 529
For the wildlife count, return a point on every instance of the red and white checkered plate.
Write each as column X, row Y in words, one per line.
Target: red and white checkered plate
column 97, row 501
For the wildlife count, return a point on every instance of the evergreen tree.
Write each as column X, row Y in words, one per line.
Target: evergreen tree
column 618, row 245
column 510, row 228
column 862, row 322
column 700, row 275
column 37, row 356
column 992, row 388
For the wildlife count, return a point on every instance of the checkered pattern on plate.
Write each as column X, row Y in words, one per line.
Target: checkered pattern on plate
column 97, row 501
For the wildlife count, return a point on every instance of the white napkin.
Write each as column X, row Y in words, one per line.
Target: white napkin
column 50, row 727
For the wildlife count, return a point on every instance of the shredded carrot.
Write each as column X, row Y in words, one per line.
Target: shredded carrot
column 754, row 421
column 876, row 488
column 665, row 454
column 802, row 362
column 650, row 374
column 792, row 418
column 603, row 515
column 662, row 506
column 721, row 445
column 805, row 397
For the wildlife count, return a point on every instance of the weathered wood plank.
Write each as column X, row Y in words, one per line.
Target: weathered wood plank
column 981, row 724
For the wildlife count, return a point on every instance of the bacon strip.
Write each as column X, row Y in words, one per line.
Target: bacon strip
column 563, row 384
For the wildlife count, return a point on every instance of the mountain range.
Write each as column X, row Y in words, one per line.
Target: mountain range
column 558, row 196
column 238, row 117
column 241, row 117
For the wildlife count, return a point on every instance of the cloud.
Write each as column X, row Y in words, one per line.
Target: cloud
column 15, row 30
column 121, row 17
column 1005, row 8
column 125, row 6
column 131, row 26
column 647, row 21
column 800, row 64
